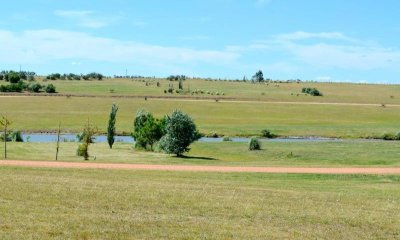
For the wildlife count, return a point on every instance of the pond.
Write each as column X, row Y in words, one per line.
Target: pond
column 45, row 138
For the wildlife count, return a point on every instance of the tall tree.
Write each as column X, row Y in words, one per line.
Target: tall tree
column 5, row 123
column 111, row 125
column 258, row 77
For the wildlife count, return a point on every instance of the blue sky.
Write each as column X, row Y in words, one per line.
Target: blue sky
column 330, row 40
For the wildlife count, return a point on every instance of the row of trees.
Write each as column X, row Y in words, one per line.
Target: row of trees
column 171, row 134
column 15, row 77
column 72, row 76
column 176, row 78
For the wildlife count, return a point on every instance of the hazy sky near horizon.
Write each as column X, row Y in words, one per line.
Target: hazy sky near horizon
column 330, row 40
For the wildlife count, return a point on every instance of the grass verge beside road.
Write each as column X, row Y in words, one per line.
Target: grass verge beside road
column 92, row 204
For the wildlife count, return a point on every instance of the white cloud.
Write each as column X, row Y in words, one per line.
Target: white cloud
column 85, row 18
column 328, row 50
column 346, row 56
column 300, row 35
column 41, row 46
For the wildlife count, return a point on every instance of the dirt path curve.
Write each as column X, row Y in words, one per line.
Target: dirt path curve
column 188, row 168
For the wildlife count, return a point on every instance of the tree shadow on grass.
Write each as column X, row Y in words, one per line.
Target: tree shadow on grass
column 198, row 158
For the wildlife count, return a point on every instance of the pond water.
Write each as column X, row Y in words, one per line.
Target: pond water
column 45, row 138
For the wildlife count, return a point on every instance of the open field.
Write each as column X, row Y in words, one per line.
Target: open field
column 333, row 92
column 324, row 154
column 93, row 204
column 227, row 118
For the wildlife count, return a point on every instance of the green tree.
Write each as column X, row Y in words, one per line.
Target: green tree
column 111, row 125
column 147, row 130
column 13, row 77
column 258, row 77
column 180, row 131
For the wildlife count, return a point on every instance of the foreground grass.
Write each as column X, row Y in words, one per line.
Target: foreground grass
column 333, row 92
column 100, row 204
column 324, row 154
column 227, row 118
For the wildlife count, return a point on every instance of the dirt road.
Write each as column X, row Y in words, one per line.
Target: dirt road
column 200, row 99
column 188, row 168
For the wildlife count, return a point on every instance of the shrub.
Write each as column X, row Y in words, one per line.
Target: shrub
column 87, row 137
column 8, row 137
column 82, row 151
column 14, row 87
column 254, row 144
column 267, row 133
column 50, row 88
column 226, row 139
column 16, row 136
column 34, row 87
column 391, row 136
column 312, row 91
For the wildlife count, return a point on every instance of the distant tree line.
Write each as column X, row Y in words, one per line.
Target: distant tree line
column 17, row 83
column 72, row 76
column 14, row 77
column 132, row 76
column 176, row 78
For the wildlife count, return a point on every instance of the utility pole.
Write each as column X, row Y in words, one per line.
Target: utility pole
column 126, row 73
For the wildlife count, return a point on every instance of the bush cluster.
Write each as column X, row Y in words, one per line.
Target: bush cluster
column 312, row 91
column 15, row 136
column 391, row 136
column 267, row 133
column 31, row 87
column 173, row 133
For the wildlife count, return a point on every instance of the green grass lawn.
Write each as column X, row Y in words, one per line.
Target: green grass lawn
column 333, row 92
column 110, row 204
column 324, row 154
column 227, row 118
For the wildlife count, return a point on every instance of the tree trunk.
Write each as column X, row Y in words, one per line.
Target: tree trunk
column 5, row 141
